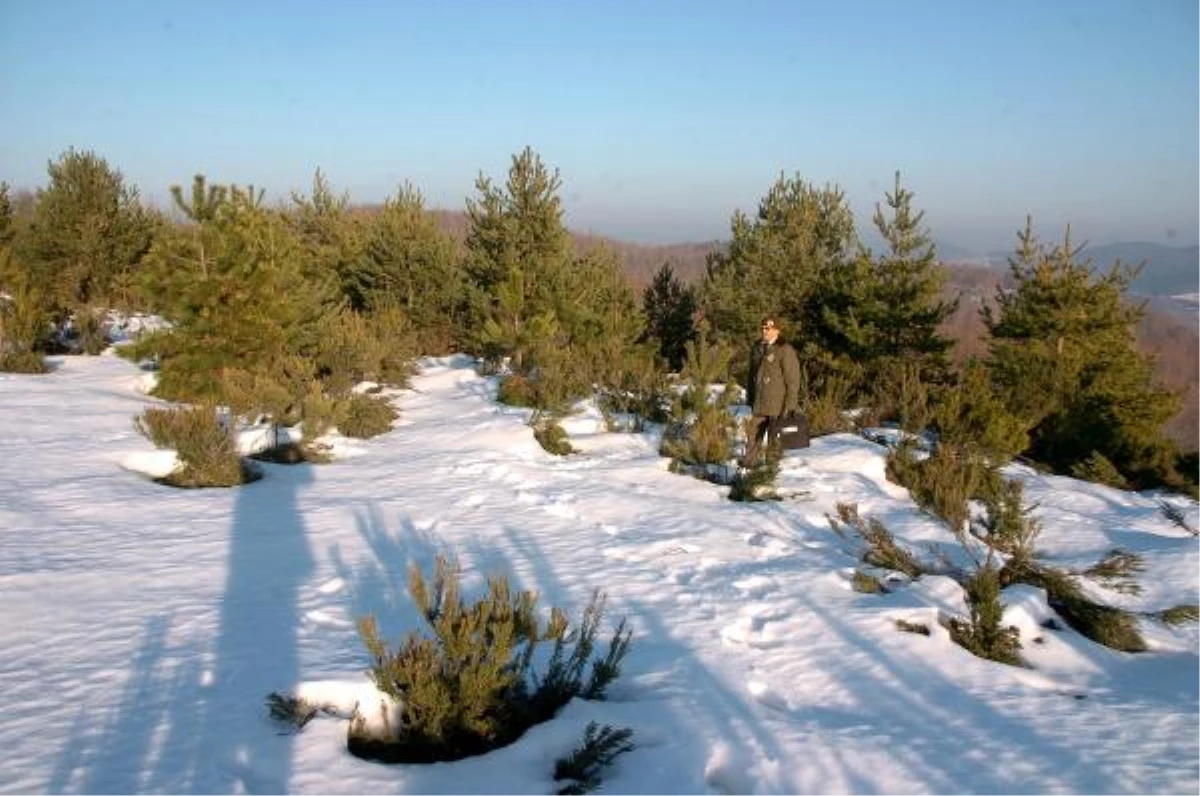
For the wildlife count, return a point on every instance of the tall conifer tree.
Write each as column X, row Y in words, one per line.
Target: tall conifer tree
column 1063, row 353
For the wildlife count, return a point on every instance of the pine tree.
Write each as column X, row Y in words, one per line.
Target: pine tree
column 776, row 259
column 670, row 309
column 1064, row 356
column 408, row 262
column 239, row 291
column 909, row 280
column 331, row 236
column 517, row 228
column 88, row 234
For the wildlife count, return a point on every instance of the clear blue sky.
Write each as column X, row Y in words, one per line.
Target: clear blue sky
column 662, row 117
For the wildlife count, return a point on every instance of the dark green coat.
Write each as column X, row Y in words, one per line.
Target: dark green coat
column 773, row 386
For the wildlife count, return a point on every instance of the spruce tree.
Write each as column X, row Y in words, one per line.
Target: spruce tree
column 670, row 309
column 1064, row 356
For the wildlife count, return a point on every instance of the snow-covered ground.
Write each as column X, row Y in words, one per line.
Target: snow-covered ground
column 143, row 626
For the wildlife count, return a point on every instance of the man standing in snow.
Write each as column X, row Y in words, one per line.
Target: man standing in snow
column 772, row 388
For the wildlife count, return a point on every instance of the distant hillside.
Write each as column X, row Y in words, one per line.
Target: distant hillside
column 640, row 261
column 1168, row 271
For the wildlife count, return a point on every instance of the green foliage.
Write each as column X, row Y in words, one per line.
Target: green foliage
column 1064, row 357
column 906, row 309
column 205, row 446
column 1118, row 570
column 331, row 237
column 1176, row 516
column 7, row 225
column 88, row 235
column 825, row 404
column 912, row 627
column 760, row 481
column 1007, row 525
column 973, row 422
column 882, row 549
column 25, row 317
column 981, row 633
column 701, row 429
column 633, row 391
column 1180, row 614
column 776, row 260
column 291, row 712
column 670, row 309
column 409, row 262
column 354, row 347
column 241, row 292
column 1103, row 624
column 551, row 436
column 1097, row 469
column 941, row 483
column 470, row 687
column 867, row 584
column 367, row 416
column 600, row 746
column 517, row 255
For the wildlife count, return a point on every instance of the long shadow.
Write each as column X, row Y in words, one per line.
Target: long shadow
column 914, row 707
column 191, row 718
column 114, row 758
column 378, row 587
column 236, row 748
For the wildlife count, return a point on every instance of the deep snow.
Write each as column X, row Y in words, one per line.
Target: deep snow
column 143, row 626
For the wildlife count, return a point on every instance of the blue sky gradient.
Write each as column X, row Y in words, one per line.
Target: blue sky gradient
column 663, row 117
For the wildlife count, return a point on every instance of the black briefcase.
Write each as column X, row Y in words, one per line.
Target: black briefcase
column 793, row 431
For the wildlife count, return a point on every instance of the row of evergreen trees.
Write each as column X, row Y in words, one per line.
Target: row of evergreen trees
column 276, row 307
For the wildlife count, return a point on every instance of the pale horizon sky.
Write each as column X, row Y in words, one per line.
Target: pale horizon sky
column 661, row 117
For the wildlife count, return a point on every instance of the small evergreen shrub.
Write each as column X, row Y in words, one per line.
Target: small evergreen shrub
column 1103, row 624
column 758, row 482
column 982, row 634
column 291, row 712
column 1007, row 525
column 867, row 584
column 1118, row 570
column 882, row 549
column 1097, row 469
column 1175, row 515
column 552, row 437
column 912, row 627
column 943, row 482
column 516, row 390
column 204, row 445
column 366, row 416
column 31, row 362
column 600, row 746
column 825, row 406
column 701, row 429
column 470, row 687
column 1180, row 614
